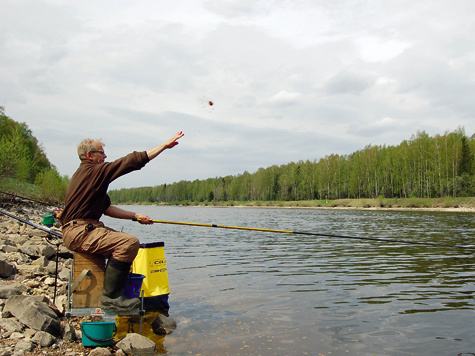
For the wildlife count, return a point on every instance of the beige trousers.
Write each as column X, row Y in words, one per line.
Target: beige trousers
column 100, row 240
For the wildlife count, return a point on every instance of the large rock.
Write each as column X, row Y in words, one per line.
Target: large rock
column 137, row 345
column 33, row 312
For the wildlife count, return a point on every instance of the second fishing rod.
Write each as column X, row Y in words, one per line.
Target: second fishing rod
column 311, row 234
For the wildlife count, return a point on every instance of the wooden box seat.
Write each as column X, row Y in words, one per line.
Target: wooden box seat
column 88, row 280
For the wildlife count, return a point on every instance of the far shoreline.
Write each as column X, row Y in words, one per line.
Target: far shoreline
column 452, row 210
column 448, row 204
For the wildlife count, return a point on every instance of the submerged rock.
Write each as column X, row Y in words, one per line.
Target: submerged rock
column 163, row 325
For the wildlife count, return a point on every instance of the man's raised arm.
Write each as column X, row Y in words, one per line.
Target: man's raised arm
column 154, row 152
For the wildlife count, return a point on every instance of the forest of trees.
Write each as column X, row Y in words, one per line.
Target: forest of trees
column 422, row 167
column 23, row 159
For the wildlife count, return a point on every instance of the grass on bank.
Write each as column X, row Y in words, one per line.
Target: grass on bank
column 49, row 189
column 14, row 186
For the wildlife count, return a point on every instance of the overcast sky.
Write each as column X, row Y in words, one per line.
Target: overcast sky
column 290, row 80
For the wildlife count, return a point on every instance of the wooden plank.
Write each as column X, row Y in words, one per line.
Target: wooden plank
column 89, row 290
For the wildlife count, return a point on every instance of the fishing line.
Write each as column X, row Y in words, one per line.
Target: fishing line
column 309, row 233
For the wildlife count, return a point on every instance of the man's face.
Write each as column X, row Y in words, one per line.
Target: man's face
column 97, row 155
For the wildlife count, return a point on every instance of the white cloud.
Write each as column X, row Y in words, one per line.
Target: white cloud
column 231, row 8
column 284, row 97
column 374, row 49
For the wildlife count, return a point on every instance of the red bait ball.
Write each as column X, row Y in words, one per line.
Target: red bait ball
column 210, row 103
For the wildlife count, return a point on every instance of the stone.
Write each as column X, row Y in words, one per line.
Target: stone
column 29, row 333
column 64, row 274
column 64, row 252
column 33, row 312
column 23, row 346
column 31, row 249
column 61, row 302
column 49, row 281
column 100, row 351
column 43, row 339
column 18, row 240
column 8, row 351
column 9, row 248
column 32, row 283
column 51, row 268
column 6, row 268
column 10, row 325
column 137, row 345
column 18, row 257
column 10, row 290
column 47, row 251
column 16, row 336
column 31, row 270
column 42, row 261
column 68, row 332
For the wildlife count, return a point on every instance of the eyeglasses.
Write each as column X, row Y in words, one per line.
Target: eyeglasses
column 101, row 152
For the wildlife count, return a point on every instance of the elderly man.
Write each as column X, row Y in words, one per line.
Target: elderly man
column 87, row 200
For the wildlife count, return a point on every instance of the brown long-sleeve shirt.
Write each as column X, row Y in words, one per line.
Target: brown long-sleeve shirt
column 86, row 197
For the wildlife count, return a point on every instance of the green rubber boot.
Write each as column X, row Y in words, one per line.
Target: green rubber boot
column 113, row 292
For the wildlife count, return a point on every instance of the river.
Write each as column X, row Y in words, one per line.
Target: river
column 239, row 292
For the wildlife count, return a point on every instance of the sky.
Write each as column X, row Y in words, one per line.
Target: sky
column 289, row 80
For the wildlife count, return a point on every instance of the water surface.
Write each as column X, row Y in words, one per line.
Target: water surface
column 236, row 292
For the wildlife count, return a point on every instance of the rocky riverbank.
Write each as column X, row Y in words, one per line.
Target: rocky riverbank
column 33, row 293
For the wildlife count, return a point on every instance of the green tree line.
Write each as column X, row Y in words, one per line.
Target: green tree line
column 421, row 167
column 23, row 159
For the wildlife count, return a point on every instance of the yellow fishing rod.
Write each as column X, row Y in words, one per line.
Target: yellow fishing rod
column 306, row 233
